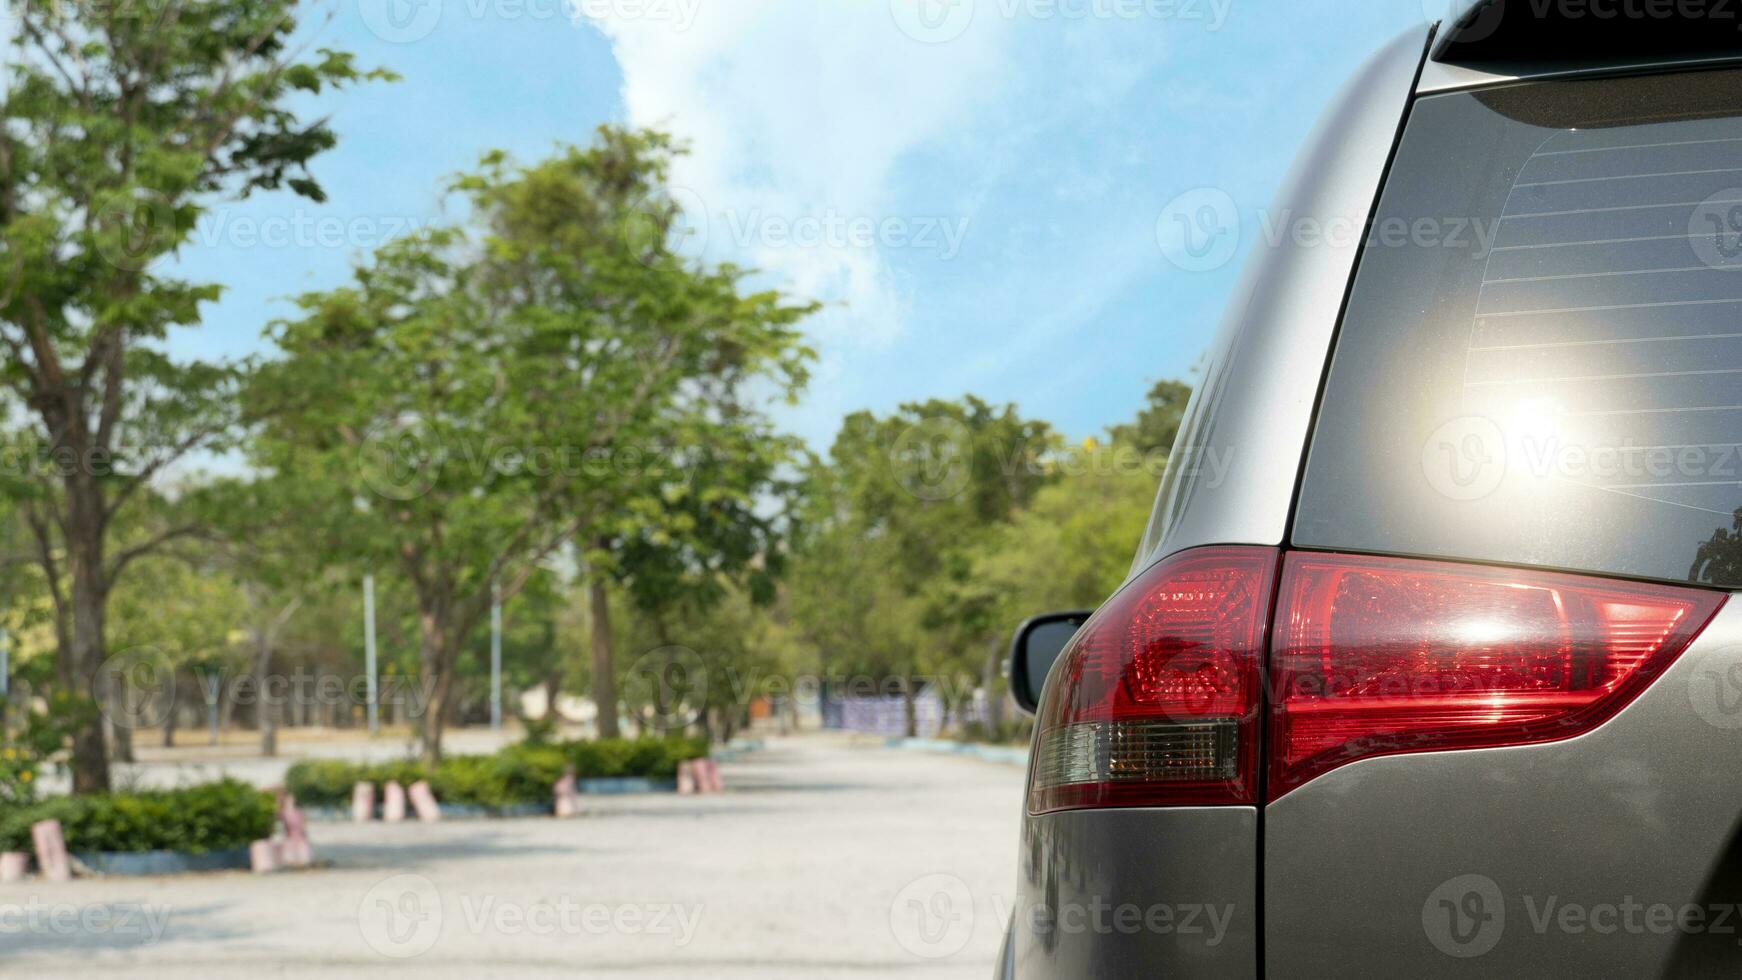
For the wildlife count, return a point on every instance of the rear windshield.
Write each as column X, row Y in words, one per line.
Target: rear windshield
column 1541, row 362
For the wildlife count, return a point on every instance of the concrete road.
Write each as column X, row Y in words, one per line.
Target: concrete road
column 821, row 860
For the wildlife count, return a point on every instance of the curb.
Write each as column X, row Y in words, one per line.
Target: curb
column 152, row 863
column 1008, row 755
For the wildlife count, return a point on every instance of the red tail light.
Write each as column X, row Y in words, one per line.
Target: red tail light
column 1380, row 656
column 1155, row 701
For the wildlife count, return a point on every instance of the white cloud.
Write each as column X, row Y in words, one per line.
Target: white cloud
column 802, row 112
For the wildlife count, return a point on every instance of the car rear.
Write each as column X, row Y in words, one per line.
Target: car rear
column 1428, row 667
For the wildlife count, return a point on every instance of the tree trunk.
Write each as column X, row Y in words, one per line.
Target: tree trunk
column 82, row 670
column 263, row 713
column 121, row 718
column 214, row 685
column 989, row 682
column 170, row 712
column 227, row 709
column 433, row 652
column 604, row 678
column 553, row 689
column 910, row 703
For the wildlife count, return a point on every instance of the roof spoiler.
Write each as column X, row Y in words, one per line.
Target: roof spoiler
column 1494, row 34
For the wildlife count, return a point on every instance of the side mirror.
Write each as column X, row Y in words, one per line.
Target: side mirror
column 1037, row 646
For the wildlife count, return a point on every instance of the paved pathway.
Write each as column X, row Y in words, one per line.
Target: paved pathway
column 821, row 860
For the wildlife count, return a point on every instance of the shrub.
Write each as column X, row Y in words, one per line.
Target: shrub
column 600, row 759
column 522, row 773
column 470, row 779
column 329, row 782
column 650, row 758
column 401, row 771
column 211, row 817
column 529, row 771
column 325, row 783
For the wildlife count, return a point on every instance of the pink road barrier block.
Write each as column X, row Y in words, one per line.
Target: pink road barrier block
column 711, row 769
column 424, row 802
column 686, row 778
column 295, row 824
column 51, row 851
column 13, row 865
column 263, row 857
column 296, row 850
column 393, row 803
column 568, row 802
column 363, row 802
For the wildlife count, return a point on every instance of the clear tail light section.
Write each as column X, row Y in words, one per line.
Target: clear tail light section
column 1155, row 701
column 1380, row 656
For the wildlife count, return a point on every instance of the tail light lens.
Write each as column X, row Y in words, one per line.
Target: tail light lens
column 1155, row 701
column 1380, row 656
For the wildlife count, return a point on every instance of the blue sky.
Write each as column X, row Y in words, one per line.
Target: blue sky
column 972, row 186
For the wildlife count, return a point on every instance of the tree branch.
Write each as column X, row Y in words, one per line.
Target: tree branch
column 127, row 556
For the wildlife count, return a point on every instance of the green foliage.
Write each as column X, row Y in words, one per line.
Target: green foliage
column 326, row 782
column 893, row 521
column 518, row 774
column 539, row 731
column 1158, row 422
column 124, row 124
column 1083, row 530
column 212, row 817
column 27, row 753
column 554, row 372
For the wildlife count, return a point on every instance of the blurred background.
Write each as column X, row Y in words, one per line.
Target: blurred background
column 502, row 487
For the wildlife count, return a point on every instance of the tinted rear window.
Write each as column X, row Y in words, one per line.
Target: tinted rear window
column 1541, row 362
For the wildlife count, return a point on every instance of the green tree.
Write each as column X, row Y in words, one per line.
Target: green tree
column 1158, row 422
column 124, row 123
column 486, row 399
column 894, row 521
column 178, row 614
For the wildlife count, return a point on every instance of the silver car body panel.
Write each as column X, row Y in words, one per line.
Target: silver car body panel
column 1235, row 462
column 1138, row 892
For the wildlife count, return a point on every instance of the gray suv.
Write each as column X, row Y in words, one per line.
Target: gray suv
column 1426, row 666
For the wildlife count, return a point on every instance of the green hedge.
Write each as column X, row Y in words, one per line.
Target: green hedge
column 517, row 774
column 213, row 817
